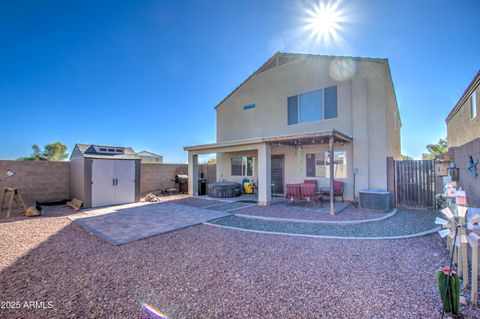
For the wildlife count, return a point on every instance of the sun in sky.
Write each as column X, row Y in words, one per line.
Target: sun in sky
column 324, row 21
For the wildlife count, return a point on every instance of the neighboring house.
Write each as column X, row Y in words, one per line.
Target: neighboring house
column 463, row 122
column 463, row 138
column 149, row 157
column 278, row 125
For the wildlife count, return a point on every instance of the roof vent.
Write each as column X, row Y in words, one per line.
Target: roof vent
column 269, row 65
column 276, row 61
column 285, row 59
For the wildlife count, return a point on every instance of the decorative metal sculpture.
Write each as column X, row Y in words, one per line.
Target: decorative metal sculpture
column 299, row 159
column 456, row 226
column 472, row 166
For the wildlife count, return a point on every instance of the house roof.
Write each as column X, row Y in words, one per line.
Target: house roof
column 302, row 139
column 281, row 58
column 468, row 91
column 89, row 151
column 147, row 153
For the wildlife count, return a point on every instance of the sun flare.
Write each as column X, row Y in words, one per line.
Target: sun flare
column 324, row 21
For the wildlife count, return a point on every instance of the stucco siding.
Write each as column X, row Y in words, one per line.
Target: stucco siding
column 461, row 129
column 376, row 126
column 366, row 108
column 269, row 91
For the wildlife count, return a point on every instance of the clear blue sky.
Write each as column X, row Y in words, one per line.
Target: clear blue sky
column 148, row 74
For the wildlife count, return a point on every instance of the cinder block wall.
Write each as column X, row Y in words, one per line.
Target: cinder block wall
column 461, row 157
column 159, row 176
column 50, row 181
column 37, row 180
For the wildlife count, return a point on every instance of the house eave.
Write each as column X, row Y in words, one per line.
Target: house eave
column 468, row 91
column 338, row 137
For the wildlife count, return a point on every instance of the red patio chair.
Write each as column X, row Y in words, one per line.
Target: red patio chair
column 337, row 190
column 311, row 181
column 293, row 192
column 309, row 193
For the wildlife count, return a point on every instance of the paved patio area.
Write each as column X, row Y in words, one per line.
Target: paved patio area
column 126, row 223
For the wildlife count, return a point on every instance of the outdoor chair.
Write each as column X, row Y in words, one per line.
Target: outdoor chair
column 337, row 190
column 311, row 181
column 293, row 192
column 309, row 193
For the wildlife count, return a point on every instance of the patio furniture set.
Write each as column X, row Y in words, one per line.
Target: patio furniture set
column 307, row 191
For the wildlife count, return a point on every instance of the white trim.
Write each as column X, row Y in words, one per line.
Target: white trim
column 424, row 233
column 311, row 221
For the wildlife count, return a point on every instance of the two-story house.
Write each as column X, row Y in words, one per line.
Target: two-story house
column 280, row 124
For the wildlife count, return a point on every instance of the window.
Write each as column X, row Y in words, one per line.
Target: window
column 249, row 107
column 473, row 105
column 312, row 106
column 242, row 166
column 318, row 165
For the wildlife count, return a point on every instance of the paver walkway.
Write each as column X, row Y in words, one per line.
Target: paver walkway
column 126, row 223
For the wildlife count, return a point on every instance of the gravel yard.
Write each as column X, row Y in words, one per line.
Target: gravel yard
column 286, row 210
column 401, row 224
column 208, row 272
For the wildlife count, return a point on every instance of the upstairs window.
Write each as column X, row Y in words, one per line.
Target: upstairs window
column 312, row 106
column 249, row 107
column 473, row 105
column 242, row 166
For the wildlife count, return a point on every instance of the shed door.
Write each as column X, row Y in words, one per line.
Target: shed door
column 125, row 181
column 103, row 180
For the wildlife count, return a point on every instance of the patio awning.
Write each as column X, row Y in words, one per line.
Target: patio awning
column 291, row 139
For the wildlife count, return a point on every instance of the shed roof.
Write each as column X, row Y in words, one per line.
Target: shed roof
column 90, row 151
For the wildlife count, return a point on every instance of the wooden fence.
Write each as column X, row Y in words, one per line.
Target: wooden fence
column 415, row 184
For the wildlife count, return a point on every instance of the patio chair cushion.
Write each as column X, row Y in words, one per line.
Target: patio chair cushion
column 293, row 192
column 337, row 189
column 309, row 192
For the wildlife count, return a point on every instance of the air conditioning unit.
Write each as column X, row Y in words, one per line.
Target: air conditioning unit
column 375, row 200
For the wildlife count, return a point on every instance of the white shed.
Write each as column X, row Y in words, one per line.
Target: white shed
column 104, row 175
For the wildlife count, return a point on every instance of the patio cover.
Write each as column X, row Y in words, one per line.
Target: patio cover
column 262, row 145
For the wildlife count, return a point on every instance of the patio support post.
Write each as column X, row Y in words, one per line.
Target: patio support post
column 332, row 157
column 192, row 174
column 264, row 174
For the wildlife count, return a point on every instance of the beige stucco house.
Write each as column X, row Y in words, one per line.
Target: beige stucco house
column 149, row 157
column 463, row 122
column 277, row 126
column 463, row 138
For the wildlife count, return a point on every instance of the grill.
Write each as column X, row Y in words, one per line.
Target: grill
column 182, row 182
